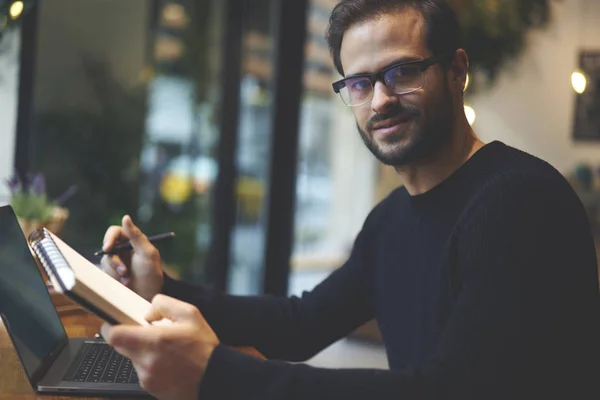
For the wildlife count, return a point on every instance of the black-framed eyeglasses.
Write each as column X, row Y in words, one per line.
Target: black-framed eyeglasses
column 401, row 78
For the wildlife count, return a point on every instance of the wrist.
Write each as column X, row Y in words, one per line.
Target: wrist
column 207, row 353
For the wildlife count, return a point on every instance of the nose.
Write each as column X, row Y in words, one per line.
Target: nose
column 383, row 98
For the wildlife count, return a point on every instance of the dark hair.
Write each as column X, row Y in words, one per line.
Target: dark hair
column 441, row 23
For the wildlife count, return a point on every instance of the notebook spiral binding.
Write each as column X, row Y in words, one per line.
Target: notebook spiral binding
column 48, row 254
column 54, row 262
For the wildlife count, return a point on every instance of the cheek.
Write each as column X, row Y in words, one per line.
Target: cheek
column 362, row 115
column 436, row 98
column 427, row 104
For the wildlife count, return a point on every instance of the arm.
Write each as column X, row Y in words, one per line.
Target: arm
column 527, row 268
column 292, row 329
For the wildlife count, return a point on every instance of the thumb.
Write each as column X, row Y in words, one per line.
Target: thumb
column 136, row 236
column 172, row 309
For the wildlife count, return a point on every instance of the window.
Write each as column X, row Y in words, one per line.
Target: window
column 339, row 181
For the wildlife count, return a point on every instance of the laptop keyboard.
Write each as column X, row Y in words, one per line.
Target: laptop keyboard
column 98, row 362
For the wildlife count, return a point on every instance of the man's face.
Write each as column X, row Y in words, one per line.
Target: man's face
column 398, row 129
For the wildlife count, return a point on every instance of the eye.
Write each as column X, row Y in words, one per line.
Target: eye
column 404, row 71
column 403, row 77
column 358, row 84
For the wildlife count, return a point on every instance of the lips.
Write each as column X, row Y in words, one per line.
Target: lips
column 392, row 122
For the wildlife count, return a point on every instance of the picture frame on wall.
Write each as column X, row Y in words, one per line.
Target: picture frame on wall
column 587, row 104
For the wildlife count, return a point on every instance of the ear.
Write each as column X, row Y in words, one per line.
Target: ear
column 457, row 74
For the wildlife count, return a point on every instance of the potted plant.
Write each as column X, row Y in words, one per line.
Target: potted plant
column 30, row 203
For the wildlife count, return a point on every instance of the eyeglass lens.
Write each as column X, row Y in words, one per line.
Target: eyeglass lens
column 400, row 79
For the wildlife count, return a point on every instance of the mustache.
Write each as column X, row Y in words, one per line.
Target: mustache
column 396, row 112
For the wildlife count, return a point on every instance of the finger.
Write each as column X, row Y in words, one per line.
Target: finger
column 108, row 268
column 117, row 263
column 138, row 240
column 126, row 338
column 114, row 265
column 105, row 330
column 170, row 308
column 127, row 353
column 113, row 235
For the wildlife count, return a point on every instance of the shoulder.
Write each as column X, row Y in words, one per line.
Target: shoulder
column 521, row 190
column 516, row 175
column 526, row 210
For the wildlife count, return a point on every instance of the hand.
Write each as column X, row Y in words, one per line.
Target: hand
column 139, row 269
column 170, row 360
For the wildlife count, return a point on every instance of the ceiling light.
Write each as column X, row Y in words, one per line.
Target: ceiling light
column 16, row 9
column 579, row 82
column 470, row 113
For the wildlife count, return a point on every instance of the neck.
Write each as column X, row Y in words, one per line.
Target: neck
column 427, row 174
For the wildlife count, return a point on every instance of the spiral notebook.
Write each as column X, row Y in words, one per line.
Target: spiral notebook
column 83, row 282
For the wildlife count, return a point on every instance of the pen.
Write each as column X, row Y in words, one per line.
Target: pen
column 127, row 246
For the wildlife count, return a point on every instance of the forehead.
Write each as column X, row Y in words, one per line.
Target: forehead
column 373, row 44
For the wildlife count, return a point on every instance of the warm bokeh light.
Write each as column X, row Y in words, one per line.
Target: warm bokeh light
column 16, row 9
column 174, row 15
column 470, row 113
column 168, row 49
column 146, row 74
column 579, row 82
column 467, row 82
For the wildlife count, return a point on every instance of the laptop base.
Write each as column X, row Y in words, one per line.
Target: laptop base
column 53, row 383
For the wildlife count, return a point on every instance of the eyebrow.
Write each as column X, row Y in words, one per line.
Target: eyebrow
column 401, row 60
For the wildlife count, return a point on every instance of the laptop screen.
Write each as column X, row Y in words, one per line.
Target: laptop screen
column 25, row 304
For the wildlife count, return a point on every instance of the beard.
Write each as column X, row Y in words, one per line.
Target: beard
column 421, row 139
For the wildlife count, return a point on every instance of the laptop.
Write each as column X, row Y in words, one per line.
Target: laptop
column 53, row 363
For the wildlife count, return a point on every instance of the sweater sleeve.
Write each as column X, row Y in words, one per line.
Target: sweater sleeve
column 504, row 337
column 292, row 329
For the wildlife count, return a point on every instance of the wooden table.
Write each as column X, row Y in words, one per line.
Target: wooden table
column 13, row 381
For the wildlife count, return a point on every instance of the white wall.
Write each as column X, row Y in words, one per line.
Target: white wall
column 9, row 79
column 532, row 106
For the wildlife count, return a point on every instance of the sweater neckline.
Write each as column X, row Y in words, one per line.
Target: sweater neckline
column 434, row 192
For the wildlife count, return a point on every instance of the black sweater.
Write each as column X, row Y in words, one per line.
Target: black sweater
column 484, row 287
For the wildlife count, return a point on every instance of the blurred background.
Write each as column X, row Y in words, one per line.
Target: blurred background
column 215, row 119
